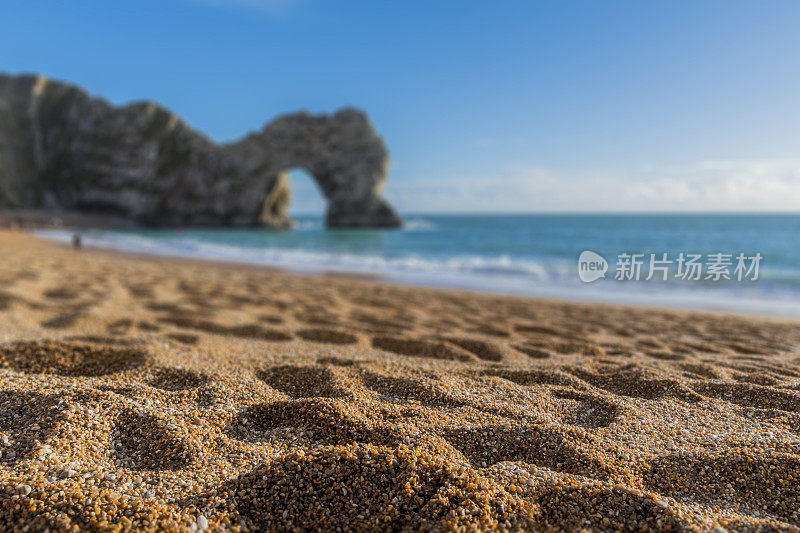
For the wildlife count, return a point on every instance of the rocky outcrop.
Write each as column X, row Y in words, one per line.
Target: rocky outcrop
column 62, row 149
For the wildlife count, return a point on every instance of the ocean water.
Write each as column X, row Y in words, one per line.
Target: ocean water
column 518, row 254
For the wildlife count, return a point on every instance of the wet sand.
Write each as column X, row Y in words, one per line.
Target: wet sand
column 143, row 393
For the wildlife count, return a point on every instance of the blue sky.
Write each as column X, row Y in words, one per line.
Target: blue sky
column 485, row 106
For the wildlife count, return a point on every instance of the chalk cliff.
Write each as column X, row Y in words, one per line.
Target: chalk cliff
column 62, row 149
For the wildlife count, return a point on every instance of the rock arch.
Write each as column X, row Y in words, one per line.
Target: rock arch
column 341, row 152
column 63, row 149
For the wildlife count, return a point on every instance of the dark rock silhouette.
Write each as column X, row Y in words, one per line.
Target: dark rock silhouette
column 61, row 149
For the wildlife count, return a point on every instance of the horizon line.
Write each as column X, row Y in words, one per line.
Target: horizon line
column 576, row 213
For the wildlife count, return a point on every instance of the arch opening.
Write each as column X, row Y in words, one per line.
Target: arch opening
column 307, row 199
column 296, row 194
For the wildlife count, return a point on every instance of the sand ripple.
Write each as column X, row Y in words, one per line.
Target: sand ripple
column 144, row 394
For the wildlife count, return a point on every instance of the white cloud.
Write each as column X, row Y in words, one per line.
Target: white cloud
column 715, row 186
column 724, row 186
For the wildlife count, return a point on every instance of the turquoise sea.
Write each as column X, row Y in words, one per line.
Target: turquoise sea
column 518, row 254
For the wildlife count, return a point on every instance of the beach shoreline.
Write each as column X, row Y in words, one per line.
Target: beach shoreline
column 582, row 294
column 174, row 393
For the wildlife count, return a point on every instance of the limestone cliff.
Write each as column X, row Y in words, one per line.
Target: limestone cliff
column 62, row 149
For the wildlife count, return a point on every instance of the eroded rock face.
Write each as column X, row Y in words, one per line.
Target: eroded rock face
column 63, row 149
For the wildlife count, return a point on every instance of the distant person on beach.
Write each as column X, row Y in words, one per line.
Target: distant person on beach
column 77, row 241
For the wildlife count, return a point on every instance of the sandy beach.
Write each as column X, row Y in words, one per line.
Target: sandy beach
column 147, row 393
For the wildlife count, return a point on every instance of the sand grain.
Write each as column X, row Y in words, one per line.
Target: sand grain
column 168, row 394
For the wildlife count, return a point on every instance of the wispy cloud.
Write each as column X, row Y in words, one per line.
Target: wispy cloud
column 270, row 7
column 732, row 185
column 772, row 185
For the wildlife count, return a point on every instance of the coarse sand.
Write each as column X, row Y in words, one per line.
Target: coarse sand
column 166, row 394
